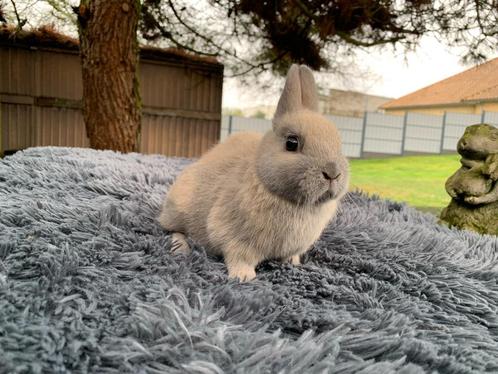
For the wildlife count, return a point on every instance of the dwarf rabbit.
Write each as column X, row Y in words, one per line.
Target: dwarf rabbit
column 256, row 197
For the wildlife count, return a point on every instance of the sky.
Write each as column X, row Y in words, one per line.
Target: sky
column 393, row 74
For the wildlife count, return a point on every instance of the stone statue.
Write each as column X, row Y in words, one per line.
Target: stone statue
column 473, row 187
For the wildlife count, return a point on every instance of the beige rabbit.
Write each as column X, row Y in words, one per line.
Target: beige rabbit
column 256, row 197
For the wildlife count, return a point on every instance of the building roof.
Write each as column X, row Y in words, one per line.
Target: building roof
column 47, row 37
column 479, row 83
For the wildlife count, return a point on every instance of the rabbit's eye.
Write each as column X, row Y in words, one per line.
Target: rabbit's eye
column 292, row 143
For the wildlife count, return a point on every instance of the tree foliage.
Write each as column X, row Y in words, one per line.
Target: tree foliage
column 272, row 34
column 255, row 36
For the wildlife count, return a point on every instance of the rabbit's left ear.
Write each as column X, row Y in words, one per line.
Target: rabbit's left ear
column 290, row 100
column 299, row 91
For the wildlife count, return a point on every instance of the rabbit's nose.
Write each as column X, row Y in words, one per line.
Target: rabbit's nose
column 330, row 171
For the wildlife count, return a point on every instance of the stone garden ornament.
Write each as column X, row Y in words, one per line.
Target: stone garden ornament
column 473, row 188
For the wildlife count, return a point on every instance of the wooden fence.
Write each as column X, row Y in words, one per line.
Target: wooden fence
column 41, row 90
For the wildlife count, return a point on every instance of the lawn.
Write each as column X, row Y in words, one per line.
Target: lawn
column 417, row 180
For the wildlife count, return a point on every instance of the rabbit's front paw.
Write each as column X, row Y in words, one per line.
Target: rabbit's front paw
column 242, row 271
column 179, row 244
column 294, row 260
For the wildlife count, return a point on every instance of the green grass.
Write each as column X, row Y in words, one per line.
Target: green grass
column 417, row 180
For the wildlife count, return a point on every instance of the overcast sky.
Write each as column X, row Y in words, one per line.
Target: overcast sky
column 393, row 74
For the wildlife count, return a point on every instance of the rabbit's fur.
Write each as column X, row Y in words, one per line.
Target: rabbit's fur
column 250, row 199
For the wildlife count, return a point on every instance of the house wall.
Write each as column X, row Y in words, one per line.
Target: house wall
column 349, row 103
column 41, row 91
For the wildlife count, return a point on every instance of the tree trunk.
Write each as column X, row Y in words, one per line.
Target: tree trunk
column 109, row 58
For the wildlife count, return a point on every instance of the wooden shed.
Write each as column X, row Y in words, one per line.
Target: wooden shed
column 41, row 91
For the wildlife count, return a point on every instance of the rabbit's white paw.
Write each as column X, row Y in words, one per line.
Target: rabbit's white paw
column 294, row 260
column 242, row 271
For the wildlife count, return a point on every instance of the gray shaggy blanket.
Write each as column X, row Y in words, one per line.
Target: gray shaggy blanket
column 87, row 284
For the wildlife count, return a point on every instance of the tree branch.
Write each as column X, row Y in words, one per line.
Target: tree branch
column 349, row 39
column 20, row 23
column 258, row 66
column 205, row 38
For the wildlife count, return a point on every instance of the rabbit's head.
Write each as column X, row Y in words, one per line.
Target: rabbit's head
column 300, row 160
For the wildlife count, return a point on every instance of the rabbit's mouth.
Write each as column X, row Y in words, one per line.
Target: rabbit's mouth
column 328, row 195
column 334, row 191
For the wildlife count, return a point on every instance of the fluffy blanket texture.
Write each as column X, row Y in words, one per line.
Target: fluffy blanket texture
column 87, row 284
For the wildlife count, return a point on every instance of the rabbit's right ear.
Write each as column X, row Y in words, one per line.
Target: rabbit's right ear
column 309, row 92
column 291, row 98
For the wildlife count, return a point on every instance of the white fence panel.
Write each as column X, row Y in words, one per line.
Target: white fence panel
column 383, row 133
column 423, row 133
column 251, row 124
column 390, row 147
column 240, row 124
column 491, row 118
column 351, row 130
column 455, row 127
column 224, row 127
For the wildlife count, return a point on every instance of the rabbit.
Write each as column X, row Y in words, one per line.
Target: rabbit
column 256, row 196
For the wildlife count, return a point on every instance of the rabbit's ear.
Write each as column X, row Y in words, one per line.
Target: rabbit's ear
column 299, row 91
column 290, row 100
column 309, row 92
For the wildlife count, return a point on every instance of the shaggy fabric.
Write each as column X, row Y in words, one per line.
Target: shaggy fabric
column 87, row 284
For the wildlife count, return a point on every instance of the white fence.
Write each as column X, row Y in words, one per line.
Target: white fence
column 378, row 133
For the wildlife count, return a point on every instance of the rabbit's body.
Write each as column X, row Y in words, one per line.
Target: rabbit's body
column 257, row 197
column 219, row 199
column 202, row 184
